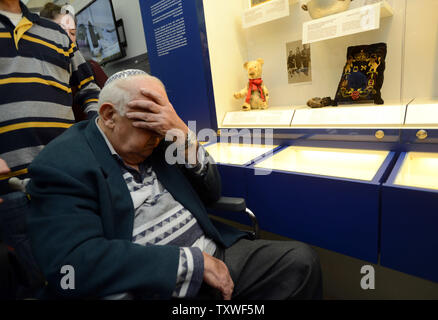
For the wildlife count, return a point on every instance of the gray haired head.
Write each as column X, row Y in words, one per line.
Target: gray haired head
column 125, row 74
column 116, row 92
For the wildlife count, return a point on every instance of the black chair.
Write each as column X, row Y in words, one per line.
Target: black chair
column 237, row 205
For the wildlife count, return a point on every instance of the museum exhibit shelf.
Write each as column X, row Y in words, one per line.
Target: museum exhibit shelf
column 409, row 239
column 231, row 45
column 391, row 115
column 324, row 197
column 275, row 117
column 357, row 116
column 353, row 21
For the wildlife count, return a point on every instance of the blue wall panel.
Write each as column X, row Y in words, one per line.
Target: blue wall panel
column 185, row 70
column 234, row 184
column 334, row 214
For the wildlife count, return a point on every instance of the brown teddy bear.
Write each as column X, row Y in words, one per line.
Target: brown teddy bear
column 255, row 93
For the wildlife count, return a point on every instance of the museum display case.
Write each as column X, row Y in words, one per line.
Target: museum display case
column 354, row 175
column 238, row 154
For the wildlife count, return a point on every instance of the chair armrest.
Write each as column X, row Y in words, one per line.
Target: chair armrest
column 237, row 205
column 229, row 204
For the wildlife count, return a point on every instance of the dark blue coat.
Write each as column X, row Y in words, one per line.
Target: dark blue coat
column 82, row 215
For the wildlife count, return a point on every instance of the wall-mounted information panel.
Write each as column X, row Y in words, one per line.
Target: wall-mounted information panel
column 177, row 53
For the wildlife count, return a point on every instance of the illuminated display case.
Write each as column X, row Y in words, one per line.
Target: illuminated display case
column 348, row 178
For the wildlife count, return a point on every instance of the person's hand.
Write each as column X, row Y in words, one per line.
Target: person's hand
column 4, row 169
column 156, row 114
column 216, row 275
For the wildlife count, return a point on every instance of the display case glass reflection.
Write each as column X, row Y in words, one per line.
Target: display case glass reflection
column 238, row 154
column 419, row 169
column 341, row 163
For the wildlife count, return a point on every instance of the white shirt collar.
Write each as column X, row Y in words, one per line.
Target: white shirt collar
column 108, row 143
column 14, row 17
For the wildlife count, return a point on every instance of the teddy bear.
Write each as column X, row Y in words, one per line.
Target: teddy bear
column 255, row 93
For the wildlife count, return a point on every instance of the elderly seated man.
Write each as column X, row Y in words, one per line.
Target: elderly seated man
column 107, row 205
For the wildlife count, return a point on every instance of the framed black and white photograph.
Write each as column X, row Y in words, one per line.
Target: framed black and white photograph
column 299, row 63
column 253, row 3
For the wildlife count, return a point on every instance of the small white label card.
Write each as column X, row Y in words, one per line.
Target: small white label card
column 362, row 19
column 259, row 118
column 264, row 12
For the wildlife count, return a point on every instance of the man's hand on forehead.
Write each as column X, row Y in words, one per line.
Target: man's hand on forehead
column 155, row 113
column 154, row 96
column 152, row 104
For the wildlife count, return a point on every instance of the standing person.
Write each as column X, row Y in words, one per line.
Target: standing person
column 8, row 281
column 39, row 66
column 68, row 22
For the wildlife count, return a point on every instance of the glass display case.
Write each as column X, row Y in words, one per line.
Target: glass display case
column 238, row 154
column 341, row 163
column 331, row 176
column 409, row 215
column 417, row 170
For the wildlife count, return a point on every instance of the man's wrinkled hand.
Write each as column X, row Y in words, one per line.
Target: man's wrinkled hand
column 156, row 114
column 216, row 275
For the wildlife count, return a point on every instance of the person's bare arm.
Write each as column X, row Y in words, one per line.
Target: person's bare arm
column 4, row 169
column 216, row 275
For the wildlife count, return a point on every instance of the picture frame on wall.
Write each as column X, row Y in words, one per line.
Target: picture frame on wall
column 254, row 3
column 299, row 62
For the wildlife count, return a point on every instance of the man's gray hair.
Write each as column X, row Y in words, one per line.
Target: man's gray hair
column 116, row 93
